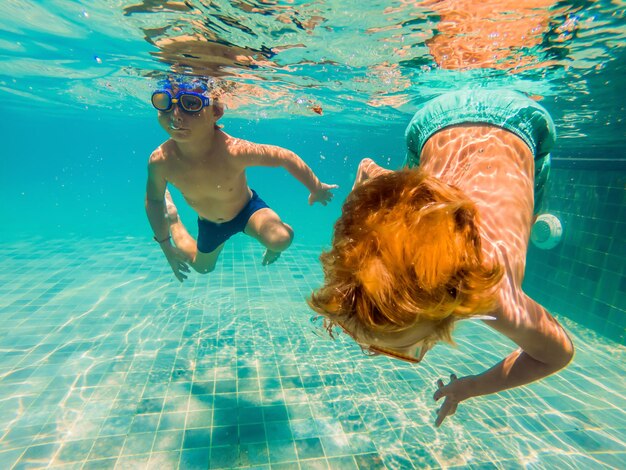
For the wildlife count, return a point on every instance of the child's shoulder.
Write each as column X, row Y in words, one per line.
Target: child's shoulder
column 238, row 147
column 230, row 140
column 162, row 153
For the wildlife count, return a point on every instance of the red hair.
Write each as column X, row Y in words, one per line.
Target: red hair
column 405, row 249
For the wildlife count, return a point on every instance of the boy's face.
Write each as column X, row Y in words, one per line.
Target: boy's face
column 183, row 125
column 409, row 345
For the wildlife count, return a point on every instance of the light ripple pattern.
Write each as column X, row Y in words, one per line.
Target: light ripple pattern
column 107, row 362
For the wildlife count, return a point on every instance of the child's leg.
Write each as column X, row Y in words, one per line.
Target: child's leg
column 273, row 233
column 205, row 262
column 200, row 262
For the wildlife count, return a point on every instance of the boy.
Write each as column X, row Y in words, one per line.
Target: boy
column 417, row 250
column 208, row 167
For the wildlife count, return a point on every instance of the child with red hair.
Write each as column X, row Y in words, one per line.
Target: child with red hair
column 445, row 239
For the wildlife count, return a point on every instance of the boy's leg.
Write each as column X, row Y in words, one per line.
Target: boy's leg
column 273, row 233
column 200, row 262
column 205, row 262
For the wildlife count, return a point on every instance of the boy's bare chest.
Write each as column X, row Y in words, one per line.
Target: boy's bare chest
column 205, row 179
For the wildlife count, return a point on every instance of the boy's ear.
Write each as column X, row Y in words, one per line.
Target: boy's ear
column 218, row 109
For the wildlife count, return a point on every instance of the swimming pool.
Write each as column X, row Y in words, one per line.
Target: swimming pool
column 107, row 362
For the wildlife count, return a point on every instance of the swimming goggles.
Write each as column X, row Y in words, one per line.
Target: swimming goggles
column 413, row 354
column 189, row 101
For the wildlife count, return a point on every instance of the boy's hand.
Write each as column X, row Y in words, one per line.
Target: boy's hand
column 322, row 194
column 455, row 392
column 177, row 260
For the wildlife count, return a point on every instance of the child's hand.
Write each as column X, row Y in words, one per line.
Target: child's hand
column 322, row 194
column 455, row 392
column 177, row 260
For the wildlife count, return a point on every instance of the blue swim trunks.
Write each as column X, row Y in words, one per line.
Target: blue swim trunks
column 507, row 109
column 211, row 234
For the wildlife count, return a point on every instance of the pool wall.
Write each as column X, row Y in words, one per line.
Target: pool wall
column 584, row 277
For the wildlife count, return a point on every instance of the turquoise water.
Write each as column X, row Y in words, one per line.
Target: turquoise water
column 107, row 362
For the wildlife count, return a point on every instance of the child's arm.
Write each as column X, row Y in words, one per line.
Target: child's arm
column 155, row 199
column 545, row 348
column 155, row 210
column 273, row 156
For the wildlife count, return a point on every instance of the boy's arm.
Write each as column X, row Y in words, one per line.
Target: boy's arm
column 274, row 156
column 545, row 348
column 155, row 210
column 155, row 199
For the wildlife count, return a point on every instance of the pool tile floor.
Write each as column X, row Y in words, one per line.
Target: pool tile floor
column 107, row 362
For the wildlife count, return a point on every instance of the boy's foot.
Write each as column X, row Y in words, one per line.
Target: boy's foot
column 270, row 256
column 171, row 213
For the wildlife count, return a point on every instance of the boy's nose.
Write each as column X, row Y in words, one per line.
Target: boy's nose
column 176, row 111
column 176, row 117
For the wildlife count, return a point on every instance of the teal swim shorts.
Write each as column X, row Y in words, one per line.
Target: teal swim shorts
column 507, row 109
